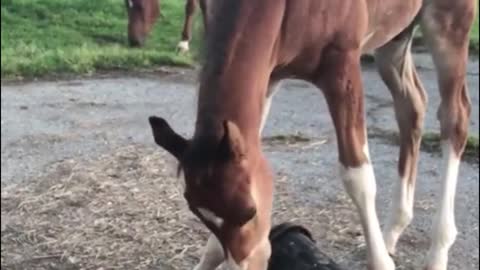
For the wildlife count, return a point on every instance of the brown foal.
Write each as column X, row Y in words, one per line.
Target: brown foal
column 252, row 45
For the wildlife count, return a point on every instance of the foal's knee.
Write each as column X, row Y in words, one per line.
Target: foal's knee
column 454, row 116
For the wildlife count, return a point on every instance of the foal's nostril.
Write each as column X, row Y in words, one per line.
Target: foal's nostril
column 244, row 216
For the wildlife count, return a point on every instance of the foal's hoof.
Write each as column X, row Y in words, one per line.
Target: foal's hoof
column 183, row 47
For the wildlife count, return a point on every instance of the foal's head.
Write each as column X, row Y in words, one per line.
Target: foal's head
column 217, row 175
column 142, row 14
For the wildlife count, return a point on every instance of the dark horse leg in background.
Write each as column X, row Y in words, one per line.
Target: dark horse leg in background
column 190, row 8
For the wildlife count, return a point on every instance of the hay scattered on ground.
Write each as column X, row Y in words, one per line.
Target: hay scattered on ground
column 126, row 211
column 121, row 212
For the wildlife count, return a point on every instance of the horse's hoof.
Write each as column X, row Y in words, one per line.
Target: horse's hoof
column 183, row 47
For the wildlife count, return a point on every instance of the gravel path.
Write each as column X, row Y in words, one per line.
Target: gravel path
column 47, row 122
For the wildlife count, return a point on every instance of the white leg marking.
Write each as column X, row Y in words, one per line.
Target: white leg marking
column 444, row 230
column 401, row 213
column 258, row 259
column 360, row 185
column 210, row 216
column 213, row 255
column 366, row 148
column 266, row 111
column 272, row 88
column 232, row 265
column 183, row 46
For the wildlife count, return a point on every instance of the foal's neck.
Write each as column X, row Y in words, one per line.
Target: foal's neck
column 234, row 97
column 239, row 57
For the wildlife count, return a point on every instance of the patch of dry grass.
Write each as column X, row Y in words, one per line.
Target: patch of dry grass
column 126, row 211
column 120, row 212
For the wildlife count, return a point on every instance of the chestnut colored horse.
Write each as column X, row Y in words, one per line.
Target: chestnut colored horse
column 251, row 46
column 142, row 15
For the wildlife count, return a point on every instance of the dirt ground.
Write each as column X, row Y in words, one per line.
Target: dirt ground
column 55, row 131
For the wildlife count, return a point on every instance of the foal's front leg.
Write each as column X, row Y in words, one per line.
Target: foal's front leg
column 343, row 89
column 213, row 256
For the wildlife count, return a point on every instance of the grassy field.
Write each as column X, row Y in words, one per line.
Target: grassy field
column 40, row 37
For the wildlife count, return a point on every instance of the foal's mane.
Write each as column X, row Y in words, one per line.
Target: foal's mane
column 221, row 33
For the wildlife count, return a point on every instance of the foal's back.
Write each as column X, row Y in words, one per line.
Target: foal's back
column 309, row 27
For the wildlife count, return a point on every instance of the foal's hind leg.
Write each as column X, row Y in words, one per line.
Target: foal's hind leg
column 396, row 67
column 446, row 29
column 343, row 90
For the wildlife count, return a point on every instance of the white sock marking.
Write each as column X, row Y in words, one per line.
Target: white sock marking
column 272, row 89
column 444, row 230
column 360, row 185
column 232, row 265
column 257, row 260
column 213, row 255
column 266, row 110
column 401, row 213
column 184, row 46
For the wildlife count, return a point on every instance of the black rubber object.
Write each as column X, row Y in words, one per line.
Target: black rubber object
column 293, row 248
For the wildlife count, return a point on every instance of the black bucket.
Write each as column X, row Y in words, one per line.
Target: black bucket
column 293, row 248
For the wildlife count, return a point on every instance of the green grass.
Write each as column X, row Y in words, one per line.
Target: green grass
column 431, row 142
column 474, row 42
column 41, row 37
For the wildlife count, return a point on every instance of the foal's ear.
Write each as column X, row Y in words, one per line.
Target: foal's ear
column 232, row 145
column 167, row 138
